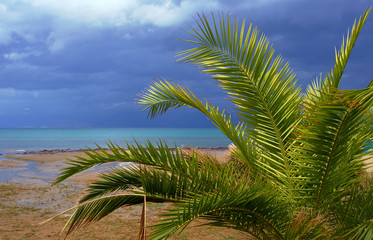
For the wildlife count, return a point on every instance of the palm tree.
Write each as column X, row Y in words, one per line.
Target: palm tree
column 296, row 169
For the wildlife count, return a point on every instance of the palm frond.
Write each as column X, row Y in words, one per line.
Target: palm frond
column 333, row 77
column 202, row 174
column 261, row 86
column 251, row 203
column 116, row 180
column 333, row 135
column 328, row 155
column 91, row 159
column 355, row 213
column 155, row 155
column 162, row 95
column 304, row 225
column 96, row 209
column 361, row 98
column 80, row 164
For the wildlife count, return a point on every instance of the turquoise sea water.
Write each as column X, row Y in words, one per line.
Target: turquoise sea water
column 12, row 140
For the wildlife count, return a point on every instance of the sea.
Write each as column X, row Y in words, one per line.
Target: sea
column 18, row 140
column 21, row 141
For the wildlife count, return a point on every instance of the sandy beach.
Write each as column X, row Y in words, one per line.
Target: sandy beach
column 53, row 162
column 24, row 205
column 11, row 163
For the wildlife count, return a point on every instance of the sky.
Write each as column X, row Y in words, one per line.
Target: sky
column 83, row 63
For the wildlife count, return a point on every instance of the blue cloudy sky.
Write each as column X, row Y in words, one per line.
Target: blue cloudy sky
column 82, row 63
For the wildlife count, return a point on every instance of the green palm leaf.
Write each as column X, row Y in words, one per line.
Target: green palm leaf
column 333, row 77
column 80, row 164
column 251, row 203
column 304, row 225
column 261, row 86
column 95, row 210
column 155, row 155
column 117, row 180
column 163, row 95
column 199, row 173
column 361, row 98
column 328, row 158
column 333, row 135
column 202, row 174
column 355, row 213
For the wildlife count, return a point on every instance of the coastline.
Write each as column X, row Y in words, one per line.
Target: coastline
column 50, row 163
column 53, row 160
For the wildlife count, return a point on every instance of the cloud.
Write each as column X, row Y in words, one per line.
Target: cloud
column 8, row 92
column 55, row 43
column 15, row 56
column 121, row 12
column 82, row 63
column 5, row 20
column 12, row 92
column 19, row 55
column 95, row 13
column 56, row 24
column 170, row 14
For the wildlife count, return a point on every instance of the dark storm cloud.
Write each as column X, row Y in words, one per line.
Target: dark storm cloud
column 85, row 69
column 306, row 33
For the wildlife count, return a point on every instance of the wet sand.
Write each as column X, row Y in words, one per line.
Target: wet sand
column 48, row 160
column 54, row 162
column 11, row 163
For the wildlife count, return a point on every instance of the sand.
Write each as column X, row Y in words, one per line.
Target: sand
column 55, row 159
column 24, row 206
column 11, row 163
column 49, row 160
column 369, row 162
column 53, row 162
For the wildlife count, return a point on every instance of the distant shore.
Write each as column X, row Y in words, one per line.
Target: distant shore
column 62, row 150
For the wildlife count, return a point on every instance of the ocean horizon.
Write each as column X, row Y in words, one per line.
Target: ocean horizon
column 13, row 140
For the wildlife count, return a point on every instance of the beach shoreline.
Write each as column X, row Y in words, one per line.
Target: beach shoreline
column 51, row 162
column 24, row 205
